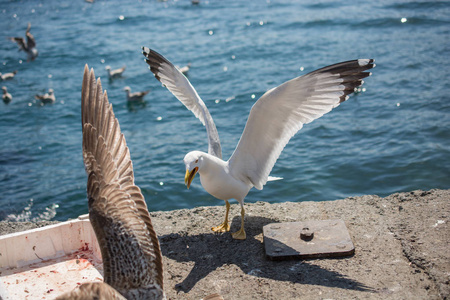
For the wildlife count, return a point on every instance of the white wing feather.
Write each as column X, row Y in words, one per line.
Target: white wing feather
column 181, row 88
column 282, row 111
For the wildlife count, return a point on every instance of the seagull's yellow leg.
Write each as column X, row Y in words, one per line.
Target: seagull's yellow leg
column 240, row 234
column 224, row 227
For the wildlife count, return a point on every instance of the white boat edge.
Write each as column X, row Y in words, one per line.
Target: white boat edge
column 21, row 249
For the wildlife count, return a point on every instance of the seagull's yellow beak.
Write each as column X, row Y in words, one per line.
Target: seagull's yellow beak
column 190, row 176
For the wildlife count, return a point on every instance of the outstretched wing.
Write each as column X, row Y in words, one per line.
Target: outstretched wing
column 117, row 210
column 282, row 111
column 31, row 43
column 181, row 88
column 20, row 42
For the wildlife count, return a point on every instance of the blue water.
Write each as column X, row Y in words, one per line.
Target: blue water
column 394, row 136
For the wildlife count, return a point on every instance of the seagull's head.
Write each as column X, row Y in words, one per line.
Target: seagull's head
column 127, row 89
column 193, row 161
column 107, row 68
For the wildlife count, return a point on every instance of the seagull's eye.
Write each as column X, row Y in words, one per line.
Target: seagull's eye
column 196, row 161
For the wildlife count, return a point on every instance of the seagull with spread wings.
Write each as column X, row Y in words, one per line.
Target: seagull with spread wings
column 277, row 116
column 29, row 46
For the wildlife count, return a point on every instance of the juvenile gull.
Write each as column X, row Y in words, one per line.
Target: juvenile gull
column 6, row 97
column 6, row 76
column 132, row 261
column 277, row 116
column 112, row 74
column 47, row 97
column 135, row 97
column 28, row 46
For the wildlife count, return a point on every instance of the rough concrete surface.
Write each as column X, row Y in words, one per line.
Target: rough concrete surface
column 401, row 250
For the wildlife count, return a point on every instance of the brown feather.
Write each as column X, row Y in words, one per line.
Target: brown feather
column 92, row 291
column 130, row 248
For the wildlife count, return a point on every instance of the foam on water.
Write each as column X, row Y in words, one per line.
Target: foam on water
column 27, row 215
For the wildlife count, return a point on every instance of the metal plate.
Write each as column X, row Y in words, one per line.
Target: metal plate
column 330, row 239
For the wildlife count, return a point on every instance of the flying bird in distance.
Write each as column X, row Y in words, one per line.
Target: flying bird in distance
column 29, row 46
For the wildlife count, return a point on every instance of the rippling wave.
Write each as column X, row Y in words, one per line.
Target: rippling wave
column 393, row 136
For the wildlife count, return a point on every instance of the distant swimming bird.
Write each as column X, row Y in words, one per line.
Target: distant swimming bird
column 47, row 97
column 134, row 97
column 273, row 120
column 184, row 69
column 29, row 46
column 112, row 74
column 6, row 76
column 6, row 96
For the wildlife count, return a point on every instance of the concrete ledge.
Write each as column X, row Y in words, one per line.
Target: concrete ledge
column 401, row 250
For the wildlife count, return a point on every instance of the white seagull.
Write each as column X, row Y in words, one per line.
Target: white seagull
column 29, row 46
column 47, row 97
column 136, row 96
column 6, row 76
column 112, row 74
column 277, row 116
column 6, row 97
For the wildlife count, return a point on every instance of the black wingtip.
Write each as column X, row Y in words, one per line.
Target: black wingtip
column 351, row 72
column 154, row 61
column 367, row 63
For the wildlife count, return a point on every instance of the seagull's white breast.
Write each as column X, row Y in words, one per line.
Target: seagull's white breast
column 217, row 180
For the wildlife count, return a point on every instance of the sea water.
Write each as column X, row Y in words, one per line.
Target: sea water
column 393, row 136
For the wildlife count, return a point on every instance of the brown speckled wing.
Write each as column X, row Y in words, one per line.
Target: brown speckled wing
column 130, row 248
column 92, row 291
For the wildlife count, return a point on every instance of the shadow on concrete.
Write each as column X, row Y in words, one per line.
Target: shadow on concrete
column 212, row 251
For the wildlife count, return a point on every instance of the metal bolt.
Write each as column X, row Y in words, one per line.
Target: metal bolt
column 306, row 234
